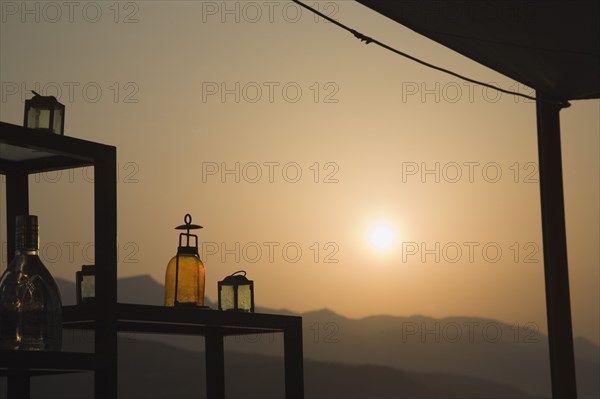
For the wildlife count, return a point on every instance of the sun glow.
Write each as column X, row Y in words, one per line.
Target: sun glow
column 382, row 236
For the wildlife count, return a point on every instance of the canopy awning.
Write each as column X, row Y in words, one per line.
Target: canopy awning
column 551, row 46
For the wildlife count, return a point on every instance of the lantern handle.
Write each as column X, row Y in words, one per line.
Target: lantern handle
column 240, row 271
column 188, row 224
column 187, row 227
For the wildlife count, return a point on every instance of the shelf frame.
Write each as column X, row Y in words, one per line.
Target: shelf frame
column 25, row 151
column 214, row 325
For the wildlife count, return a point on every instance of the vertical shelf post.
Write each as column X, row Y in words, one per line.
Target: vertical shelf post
column 293, row 358
column 215, row 365
column 105, row 233
column 17, row 203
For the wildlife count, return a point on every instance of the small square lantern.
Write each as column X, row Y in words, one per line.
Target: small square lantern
column 86, row 285
column 44, row 113
column 236, row 293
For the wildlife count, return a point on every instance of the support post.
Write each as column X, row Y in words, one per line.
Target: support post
column 105, row 233
column 18, row 384
column 556, row 271
column 215, row 365
column 17, row 203
column 294, row 362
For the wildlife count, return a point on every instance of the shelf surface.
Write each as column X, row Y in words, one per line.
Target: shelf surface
column 182, row 320
column 47, row 361
column 31, row 151
column 18, row 154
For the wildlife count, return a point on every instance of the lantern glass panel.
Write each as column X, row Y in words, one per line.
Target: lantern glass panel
column 38, row 118
column 244, row 297
column 58, row 118
column 88, row 289
column 227, row 297
column 190, row 284
column 86, row 284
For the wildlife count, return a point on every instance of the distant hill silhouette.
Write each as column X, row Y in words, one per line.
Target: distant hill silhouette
column 486, row 349
column 153, row 370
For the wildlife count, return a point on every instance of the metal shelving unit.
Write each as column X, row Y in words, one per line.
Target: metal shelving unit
column 25, row 151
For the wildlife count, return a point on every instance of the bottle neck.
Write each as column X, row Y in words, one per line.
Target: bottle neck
column 27, row 238
column 35, row 252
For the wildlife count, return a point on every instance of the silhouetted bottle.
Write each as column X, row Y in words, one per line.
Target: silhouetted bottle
column 184, row 278
column 30, row 304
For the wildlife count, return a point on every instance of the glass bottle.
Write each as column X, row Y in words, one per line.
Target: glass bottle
column 184, row 278
column 30, row 304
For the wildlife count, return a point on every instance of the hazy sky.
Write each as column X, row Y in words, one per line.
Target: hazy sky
column 290, row 141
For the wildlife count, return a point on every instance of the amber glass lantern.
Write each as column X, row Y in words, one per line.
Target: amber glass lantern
column 236, row 293
column 44, row 113
column 184, row 280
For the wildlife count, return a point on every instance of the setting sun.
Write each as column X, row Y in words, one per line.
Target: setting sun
column 382, row 236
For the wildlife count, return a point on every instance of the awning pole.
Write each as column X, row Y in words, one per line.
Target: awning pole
column 556, row 270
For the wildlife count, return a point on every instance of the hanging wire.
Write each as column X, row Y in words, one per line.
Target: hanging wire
column 367, row 40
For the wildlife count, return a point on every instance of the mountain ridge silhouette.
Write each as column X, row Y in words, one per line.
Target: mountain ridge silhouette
column 153, row 370
column 518, row 359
